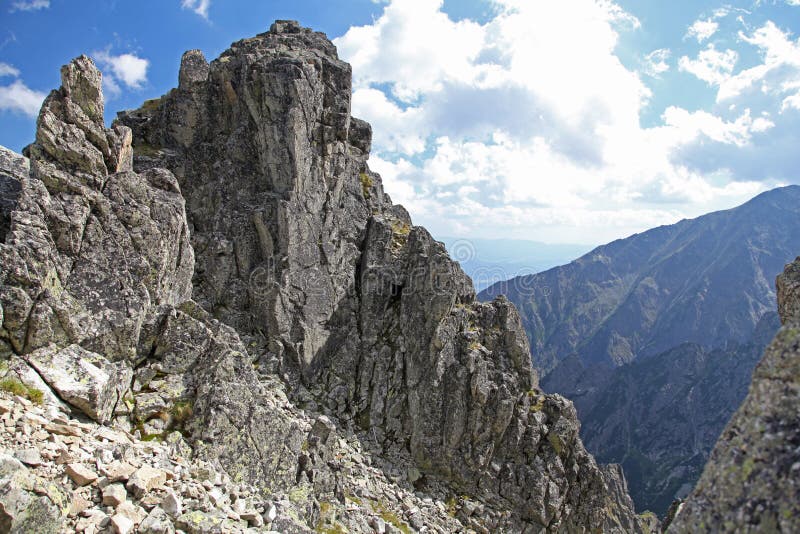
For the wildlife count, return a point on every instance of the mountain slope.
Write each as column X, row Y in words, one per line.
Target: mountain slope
column 705, row 281
column 655, row 337
column 660, row 416
column 750, row 483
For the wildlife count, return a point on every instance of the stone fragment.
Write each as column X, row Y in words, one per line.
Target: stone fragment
column 80, row 474
column 84, row 379
column 79, row 504
column 117, row 471
column 114, row 494
column 63, row 430
column 271, row 513
column 132, row 511
column 172, row 504
column 156, row 522
column 30, row 456
column 121, row 524
column 145, row 479
column 378, row 525
column 253, row 518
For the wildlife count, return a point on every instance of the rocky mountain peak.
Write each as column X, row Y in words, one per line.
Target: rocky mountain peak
column 194, row 69
column 243, row 280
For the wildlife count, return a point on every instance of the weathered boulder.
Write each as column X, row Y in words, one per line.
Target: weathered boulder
column 91, row 246
column 82, row 378
column 27, row 502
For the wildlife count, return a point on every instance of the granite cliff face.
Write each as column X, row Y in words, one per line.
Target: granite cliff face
column 752, row 480
column 334, row 361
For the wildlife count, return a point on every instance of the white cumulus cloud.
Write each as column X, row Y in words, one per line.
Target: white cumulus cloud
column 198, row 6
column 712, row 66
column 779, row 71
column 8, row 70
column 20, row 98
column 703, row 29
column 29, row 5
column 127, row 69
column 655, row 63
column 529, row 125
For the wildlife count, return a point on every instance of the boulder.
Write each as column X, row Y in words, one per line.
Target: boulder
column 28, row 503
column 84, row 379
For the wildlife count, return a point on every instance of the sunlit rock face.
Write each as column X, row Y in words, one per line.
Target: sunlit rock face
column 247, row 189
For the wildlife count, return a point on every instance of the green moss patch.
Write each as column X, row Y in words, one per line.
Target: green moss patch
column 16, row 387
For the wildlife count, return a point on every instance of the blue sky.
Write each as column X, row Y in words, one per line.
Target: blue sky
column 572, row 121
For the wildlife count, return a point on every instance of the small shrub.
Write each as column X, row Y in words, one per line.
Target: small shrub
column 366, row 183
column 152, row 104
column 181, row 412
column 390, row 517
column 400, row 228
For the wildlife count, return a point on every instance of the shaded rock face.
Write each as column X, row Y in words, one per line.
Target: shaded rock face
column 750, row 483
column 304, row 270
column 14, row 169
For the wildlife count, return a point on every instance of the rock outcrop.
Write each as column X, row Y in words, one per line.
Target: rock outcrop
column 335, row 360
column 752, row 480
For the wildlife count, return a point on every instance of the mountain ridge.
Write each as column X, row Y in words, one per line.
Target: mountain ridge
column 239, row 285
column 600, row 325
column 553, row 332
column 750, row 481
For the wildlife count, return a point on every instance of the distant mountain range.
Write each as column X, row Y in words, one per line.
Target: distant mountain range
column 689, row 306
column 706, row 280
column 488, row 261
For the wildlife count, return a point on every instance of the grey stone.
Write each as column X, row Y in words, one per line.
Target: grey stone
column 28, row 503
column 121, row 524
column 82, row 378
column 172, row 504
column 80, row 474
column 30, row 456
column 114, row 494
column 156, row 522
column 144, row 479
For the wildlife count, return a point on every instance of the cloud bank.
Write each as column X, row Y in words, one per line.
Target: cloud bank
column 529, row 125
